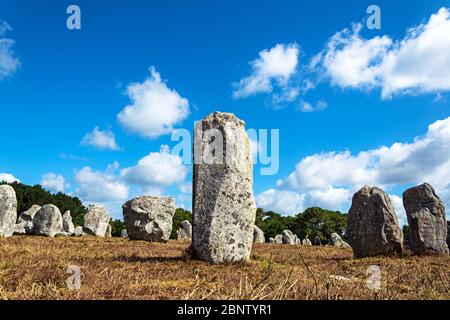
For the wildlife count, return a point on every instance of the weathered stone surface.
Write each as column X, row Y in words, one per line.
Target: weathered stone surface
column 8, row 210
column 25, row 220
column 278, row 238
column 67, row 222
column 297, row 240
column 448, row 234
column 258, row 235
column 185, row 232
column 149, row 218
column 19, row 229
column 271, row 240
column 306, row 242
column 96, row 221
column 426, row 219
column 337, row 241
column 108, row 233
column 316, row 241
column 224, row 209
column 124, row 233
column 288, row 237
column 372, row 227
column 48, row 221
column 78, row 232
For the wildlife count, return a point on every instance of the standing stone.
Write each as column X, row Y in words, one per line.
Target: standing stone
column 8, row 210
column 25, row 221
column 258, row 235
column 426, row 219
column 278, row 238
column 316, row 241
column 96, row 221
column 224, row 209
column 48, row 222
column 67, row 222
column 185, row 232
column 78, row 232
column 271, row 240
column 372, row 224
column 124, row 233
column 307, row 242
column 337, row 241
column 288, row 237
column 297, row 240
column 149, row 218
column 108, row 233
column 448, row 234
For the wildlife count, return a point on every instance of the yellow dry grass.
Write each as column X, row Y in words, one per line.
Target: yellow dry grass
column 35, row 268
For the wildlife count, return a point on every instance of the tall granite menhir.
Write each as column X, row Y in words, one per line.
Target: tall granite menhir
column 223, row 205
column 426, row 219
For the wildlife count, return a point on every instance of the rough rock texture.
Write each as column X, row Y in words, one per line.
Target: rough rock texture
column 48, row 221
column 108, row 233
column 96, row 221
column 426, row 219
column 278, row 238
column 258, row 235
column 372, row 227
column 149, row 218
column 448, row 234
column 337, row 241
column 316, row 241
column 67, row 222
column 224, row 209
column 306, row 242
column 124, row 233
column 8, row 210
column 288, row 237
column 185, row 232
column 25, row 220
column 78, row 232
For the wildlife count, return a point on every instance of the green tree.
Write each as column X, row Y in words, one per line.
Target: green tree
column 405, row 230
column 116, row 227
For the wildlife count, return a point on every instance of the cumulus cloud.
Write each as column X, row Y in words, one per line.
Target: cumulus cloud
column 330, row 179
column 155, row 109
column 53, row 182
column 309, row 107
column 100, row 187
column 8, row 60
column 418, row 63
column 274, row 67
column 103, row 140
column 8, row 178
column 282, row 201
column 157, row 169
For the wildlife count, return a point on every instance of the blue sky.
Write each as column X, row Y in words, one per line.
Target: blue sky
column 352, row 108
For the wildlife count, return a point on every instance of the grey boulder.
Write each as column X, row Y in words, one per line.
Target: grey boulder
column 25, row 220
column 68, row 226
column 278, row 239
column 48, row 222
column 185, row 231
column 337, row 241
column 149, row 218
column 124, row 233
column 288, row 237
column 316, row 241
column 372, row 227
column 96, row 221
column 258, row 235
column 8, row 210
column 426, row 219
column 78, row 232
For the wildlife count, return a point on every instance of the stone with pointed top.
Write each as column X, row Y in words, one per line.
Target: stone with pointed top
column 8, row 210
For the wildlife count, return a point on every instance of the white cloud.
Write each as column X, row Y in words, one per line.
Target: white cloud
column 8, row 61
column 282, row 201
column 399, row 209
column 8, row 178
column 419, row 63
column 158, row 169
column 330, row 179
column 100, row 187
column 308, row 107
column 155, row 109
column 103, row 140
column 274, row 66
column 53, row 182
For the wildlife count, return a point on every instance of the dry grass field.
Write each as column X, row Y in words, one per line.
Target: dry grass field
column 35, row 268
